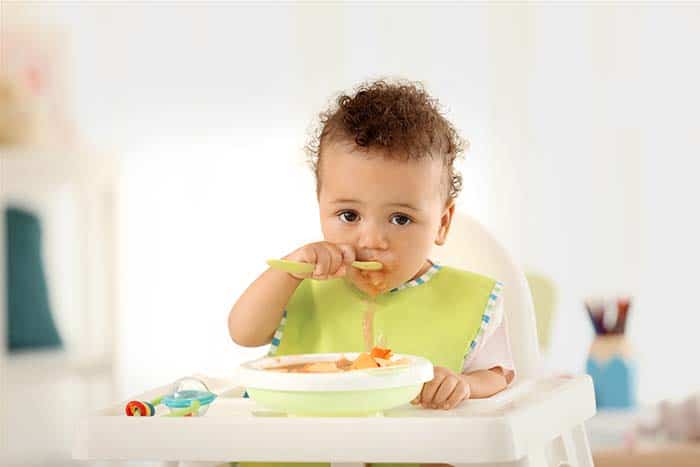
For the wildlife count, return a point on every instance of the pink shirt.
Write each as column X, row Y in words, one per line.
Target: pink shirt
column 493, row 350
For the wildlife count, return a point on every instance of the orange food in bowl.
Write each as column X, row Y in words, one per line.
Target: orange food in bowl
column 379, row 352
column 376, row 358
column 364, row 361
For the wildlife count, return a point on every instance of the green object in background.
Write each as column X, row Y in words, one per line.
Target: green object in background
column 30, row 323
column 544, row 299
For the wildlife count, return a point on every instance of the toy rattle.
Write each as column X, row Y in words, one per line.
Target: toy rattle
column 181, row 402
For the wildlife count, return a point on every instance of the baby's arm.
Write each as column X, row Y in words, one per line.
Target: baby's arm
column 486, row 383
column 489, row 368
column 257, row 313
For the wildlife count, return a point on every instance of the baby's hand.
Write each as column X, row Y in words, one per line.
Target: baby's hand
column 446, row 390
column 331, row 260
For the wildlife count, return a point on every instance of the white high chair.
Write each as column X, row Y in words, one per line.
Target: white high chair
column 538, row 421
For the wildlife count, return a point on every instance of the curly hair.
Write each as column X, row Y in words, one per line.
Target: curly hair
column 398, row 118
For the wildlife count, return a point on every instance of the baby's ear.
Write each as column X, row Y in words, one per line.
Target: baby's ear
column 445, row 222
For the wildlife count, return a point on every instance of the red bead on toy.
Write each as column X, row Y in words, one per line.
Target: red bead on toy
column 139, row 409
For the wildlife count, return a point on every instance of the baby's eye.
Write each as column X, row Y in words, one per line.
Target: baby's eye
column 400, row 219
column 348, row 216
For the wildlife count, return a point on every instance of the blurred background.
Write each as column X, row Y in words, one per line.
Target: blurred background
column 151, row 160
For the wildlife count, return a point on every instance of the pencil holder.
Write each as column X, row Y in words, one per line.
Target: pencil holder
column 610, row 360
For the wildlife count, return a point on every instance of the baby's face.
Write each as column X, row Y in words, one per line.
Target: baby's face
column 391, row 211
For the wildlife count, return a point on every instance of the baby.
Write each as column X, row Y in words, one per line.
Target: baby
column 386, row 187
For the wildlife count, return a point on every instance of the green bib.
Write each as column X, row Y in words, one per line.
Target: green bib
column 437, row 320
column 440, row 319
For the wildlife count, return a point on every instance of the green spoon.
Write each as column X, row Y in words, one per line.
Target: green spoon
column 297, row 267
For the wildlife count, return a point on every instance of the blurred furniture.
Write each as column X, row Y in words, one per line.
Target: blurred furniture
column 645, row 436
column 42, row 390
column 611, row 429
column 544, row 298
column 30, row 320
column 672, row 454
column 537, row 421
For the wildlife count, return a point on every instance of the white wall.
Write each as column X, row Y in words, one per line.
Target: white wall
column 582, row 122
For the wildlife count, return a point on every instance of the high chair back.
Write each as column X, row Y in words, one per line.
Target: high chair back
column 471, row 247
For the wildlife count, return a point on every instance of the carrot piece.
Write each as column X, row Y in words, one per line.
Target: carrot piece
column 363, row 361
column 380, row 352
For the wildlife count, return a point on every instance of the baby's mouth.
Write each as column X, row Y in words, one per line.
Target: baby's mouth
column 372, row 283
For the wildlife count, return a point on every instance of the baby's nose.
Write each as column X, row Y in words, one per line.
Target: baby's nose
column 372, row 238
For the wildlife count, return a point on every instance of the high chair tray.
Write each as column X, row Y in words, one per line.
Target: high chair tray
column 503, row 428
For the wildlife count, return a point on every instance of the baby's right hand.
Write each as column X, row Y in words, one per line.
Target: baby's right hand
column 331, row 260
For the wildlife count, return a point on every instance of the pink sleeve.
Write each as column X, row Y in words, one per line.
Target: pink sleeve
column 493, row 350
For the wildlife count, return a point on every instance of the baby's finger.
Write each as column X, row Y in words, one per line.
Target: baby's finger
column 460, row 392
column 348, row 252
column 429, row 390
column 336, row 256
column 443, row 393
column 306, row 254
column 347, row 256
column 323, row 260
column 341, row 272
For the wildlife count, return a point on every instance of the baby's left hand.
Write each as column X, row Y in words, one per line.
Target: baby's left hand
column 446, row 390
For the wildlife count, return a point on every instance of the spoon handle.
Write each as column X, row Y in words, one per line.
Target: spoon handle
column 297, row 267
